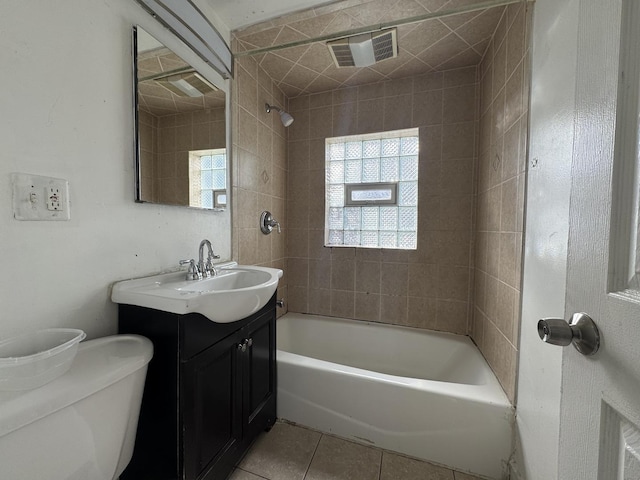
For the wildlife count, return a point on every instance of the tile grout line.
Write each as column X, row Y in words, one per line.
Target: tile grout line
column 251, row 473
column 313, row 456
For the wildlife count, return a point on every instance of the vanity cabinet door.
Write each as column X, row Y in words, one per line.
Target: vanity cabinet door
column 210, row 390
column 259, row 372
column 211, row 396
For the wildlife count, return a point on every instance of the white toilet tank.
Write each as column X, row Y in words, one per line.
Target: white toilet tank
column 82, row 425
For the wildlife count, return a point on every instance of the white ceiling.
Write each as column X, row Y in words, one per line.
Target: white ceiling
column 240, row 13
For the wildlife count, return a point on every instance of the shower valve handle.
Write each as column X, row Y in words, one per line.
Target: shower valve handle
column 581, row 330
column 267, row 223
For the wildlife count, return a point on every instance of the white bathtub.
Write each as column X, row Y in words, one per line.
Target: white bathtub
column 426, row 394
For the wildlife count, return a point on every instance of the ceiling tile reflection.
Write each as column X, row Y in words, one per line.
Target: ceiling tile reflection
column 156, row 99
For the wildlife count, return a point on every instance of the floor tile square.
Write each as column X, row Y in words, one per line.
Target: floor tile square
column 284, row 453
column 242, row 475
column 397, row 467
column 337, row 459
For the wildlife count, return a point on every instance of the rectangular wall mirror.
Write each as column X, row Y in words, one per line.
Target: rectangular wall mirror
column 181, row 156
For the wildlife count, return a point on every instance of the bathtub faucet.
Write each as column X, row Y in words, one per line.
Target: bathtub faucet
column 206, row 270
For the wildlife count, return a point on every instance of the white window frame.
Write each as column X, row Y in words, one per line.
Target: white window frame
column 349, row 188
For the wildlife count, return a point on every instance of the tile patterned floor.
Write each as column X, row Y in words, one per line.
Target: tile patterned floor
column 290, row 452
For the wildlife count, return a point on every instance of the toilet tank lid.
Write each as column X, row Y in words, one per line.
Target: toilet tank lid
column 98, row 364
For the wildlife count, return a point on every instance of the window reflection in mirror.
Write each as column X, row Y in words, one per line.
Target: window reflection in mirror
column 181, row 130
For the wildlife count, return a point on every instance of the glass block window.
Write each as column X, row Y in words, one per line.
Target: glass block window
column 371, row 188
column 208, row 178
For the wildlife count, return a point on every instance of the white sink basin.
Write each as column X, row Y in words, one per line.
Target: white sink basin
column 234, row 293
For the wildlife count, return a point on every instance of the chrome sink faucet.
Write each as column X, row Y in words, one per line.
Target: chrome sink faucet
column 206, row 270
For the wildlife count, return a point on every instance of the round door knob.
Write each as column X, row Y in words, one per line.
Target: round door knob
column 555, row 331
column 581, row 330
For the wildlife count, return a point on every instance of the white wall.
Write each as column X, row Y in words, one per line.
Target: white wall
column 546, row 235
column 66, row 111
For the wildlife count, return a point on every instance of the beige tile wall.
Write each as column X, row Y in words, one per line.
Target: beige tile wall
column 259, row 172
column 176, row 135
column 164, row 151
column 429, row 287
column 465, row 275
column 504, row 91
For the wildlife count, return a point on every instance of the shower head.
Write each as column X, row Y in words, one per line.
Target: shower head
column 285, row 118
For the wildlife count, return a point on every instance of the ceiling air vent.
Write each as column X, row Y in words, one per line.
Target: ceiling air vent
column 364, row 50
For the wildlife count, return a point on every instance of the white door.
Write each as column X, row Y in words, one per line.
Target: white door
column 600, row 406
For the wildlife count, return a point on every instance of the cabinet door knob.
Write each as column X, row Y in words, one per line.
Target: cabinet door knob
column 247, row 342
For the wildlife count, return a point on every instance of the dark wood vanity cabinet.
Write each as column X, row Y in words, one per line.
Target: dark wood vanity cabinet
column 210, row 390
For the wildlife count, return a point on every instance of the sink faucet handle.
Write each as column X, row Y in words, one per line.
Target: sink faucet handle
column 210, row 269
column 192, row 272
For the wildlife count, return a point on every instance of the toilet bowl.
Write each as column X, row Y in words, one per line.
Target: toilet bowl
column 82, row 425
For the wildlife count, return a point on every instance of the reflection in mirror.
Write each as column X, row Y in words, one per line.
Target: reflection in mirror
column 181, row 132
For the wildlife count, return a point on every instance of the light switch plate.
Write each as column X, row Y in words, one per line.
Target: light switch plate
column 40, row 198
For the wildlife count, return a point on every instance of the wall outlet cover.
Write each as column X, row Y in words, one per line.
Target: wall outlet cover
column 40, row 198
